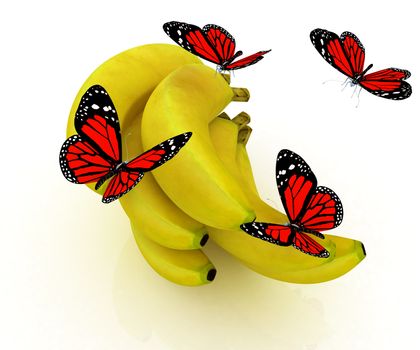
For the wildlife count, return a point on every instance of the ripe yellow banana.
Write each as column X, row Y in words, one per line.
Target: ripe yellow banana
column 130, row 77
column 185, row 267
column 282, row 263
column 196, row 180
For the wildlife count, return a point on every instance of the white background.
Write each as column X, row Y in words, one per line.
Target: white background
column 71, row 275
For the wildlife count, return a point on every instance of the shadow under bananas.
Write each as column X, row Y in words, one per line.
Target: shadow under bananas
column 238, row 310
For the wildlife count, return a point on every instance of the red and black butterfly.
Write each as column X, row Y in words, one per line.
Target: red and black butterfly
column 309, row 208
column 212, row 43
column 347, row 54
column 94, row 153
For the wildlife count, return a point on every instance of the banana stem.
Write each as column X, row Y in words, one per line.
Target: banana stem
column 240, row 94
column 242, row 118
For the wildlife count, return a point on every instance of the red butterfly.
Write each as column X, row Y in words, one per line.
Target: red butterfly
column 347, row 54
column 310, row 209
column 212, row 43
column 94, row 154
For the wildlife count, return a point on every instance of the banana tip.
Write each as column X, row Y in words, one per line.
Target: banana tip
column 211, row 275
column 363, row 248
column 204, row 240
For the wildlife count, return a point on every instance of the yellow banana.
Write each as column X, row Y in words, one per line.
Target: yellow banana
column 196, row 180
column 185, row 267
column 282, row 263
column 130, row 77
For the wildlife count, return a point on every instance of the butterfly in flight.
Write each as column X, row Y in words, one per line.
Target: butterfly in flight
column 94, row 153
column 212, row 43
column 309, row 208
column 347, row 54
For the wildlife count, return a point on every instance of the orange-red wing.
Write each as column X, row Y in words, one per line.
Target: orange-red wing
column 354, row 51
column 120, row 184
column 97, row 122
column 329, row 45
column 388, row 83
column 308, row 245
column 159, row 154
column 247, row 61
column 324, row 211
column 194, row 40
column 273, row 233
column 221, row 40
column 81, row 163
column 296, row 183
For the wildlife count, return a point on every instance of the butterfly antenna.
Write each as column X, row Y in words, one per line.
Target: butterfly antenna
column 329, row 81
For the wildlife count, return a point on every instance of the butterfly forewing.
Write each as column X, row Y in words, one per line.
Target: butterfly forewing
column 192, row 39
column 324, row 211
column 296, row 183
column 159, row 154
column 97, row 122
column 329, row 45
column 82, row 163
column 273, row 233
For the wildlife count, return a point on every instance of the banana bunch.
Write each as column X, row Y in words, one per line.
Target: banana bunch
column 159, row 91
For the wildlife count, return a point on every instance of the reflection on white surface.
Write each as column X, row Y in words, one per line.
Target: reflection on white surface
column 240, row 309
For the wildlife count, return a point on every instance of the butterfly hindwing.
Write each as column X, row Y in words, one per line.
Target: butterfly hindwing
column 388, row 83
column 324, row 211
column 221, row 40
column 296, row 183
column 81, row 163
column 277, row 234
column 123, row 181
column 247, row 61
column 308, row 245
column 97, row 122
column 354, row 51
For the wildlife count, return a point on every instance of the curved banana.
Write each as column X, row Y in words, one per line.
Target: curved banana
column 196, row 180
column 130, row 77
column 282, row 263
column 185, row 267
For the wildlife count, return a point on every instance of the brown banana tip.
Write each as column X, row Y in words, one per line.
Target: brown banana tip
column 204, row 240
column 364, row 249
column 211, row 275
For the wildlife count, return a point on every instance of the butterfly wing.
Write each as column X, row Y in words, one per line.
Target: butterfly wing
column 81, row 163
column 308, row 245
column 296, row 184
column 247, row 61
column 221, row 40
column 354, row 51
column 159, row 154
column 332, row 49
column 97, row 122
column 123, row 181
column 324, row 211
column 194, row 40
column 388, row 83
column 273, row 233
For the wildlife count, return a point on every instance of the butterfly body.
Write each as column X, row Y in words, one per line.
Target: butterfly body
column 347, row 54
column 212, row 43
column 309, row 208
column 93, row 155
